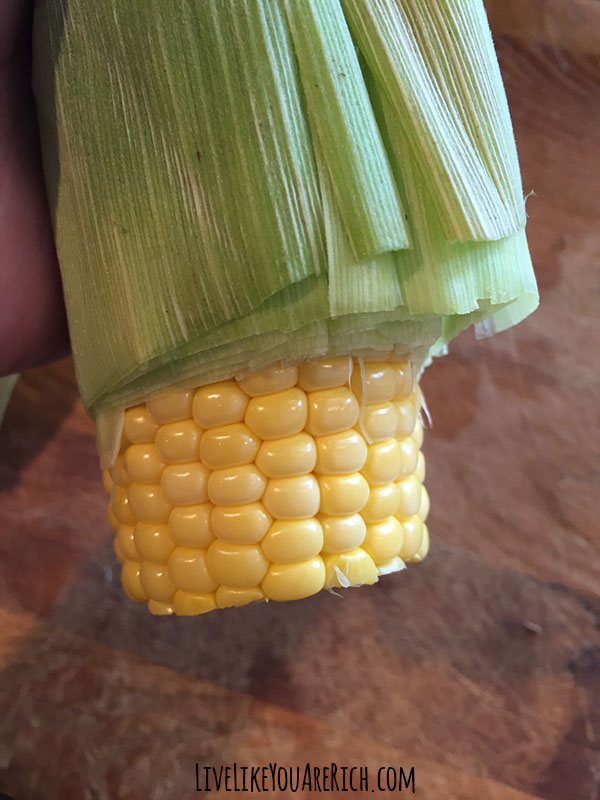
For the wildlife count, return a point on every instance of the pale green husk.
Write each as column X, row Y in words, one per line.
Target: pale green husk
column 237, row 182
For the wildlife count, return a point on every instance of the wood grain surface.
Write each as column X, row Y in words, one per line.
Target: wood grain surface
column 480, row 668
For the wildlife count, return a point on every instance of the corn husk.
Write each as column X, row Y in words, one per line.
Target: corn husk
column 237, row 182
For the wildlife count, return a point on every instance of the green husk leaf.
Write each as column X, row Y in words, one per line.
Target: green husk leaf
column 435, row 63
column 344, row 129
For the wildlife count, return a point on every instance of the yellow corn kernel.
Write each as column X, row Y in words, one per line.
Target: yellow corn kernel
column 356, row 567
column 122, row 507
column 413, row 536
column 171, row 406
column 148, row 503
column 378, row 421
column 407, row 416
column 294, row 581
column 118, row 551
column 228, row 446
column 191, row 525
column 342, row 533
column 383, row 540
column 236, row 565
column 286, row 458
column 420, row 468
column 188, row 604
column 112, row 518
column 219, row 404
column 423, row 511
column 409, row 491
column 228, row 596
column 157, row 582
column 409, row 457
column 235, row 486
column 293, row 540
column 423, row 548
column 245, row 524
column 189, row 571
column 292, row 498
column 138, row 425
column 119, row 473
column 153, row 542
column 405, row 378
column 131, row 583
column 383, row 502
column 178, row 442
column 343, row 494
column 143, row 463
column 107, row 481
column 160, row 609
column 340, row 453
column 185, row 484
column 417, row 434
column 331, row 411
column 374, row 382
column 127, row 544
column 274, row 416
column 325, row 373
column 269, row 381
column 384, row 462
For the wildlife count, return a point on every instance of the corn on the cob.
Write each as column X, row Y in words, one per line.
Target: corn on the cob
column 322, row 177
column 272, row 487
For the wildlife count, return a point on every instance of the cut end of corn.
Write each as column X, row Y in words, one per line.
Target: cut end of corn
column 272, row 487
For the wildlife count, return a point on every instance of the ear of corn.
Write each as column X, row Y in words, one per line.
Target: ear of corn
column 272, row 487
column 241, row 184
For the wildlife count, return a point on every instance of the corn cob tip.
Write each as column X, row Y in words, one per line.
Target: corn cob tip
column 275, row 486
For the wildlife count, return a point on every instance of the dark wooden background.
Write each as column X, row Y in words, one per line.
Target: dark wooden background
column 480, row 667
